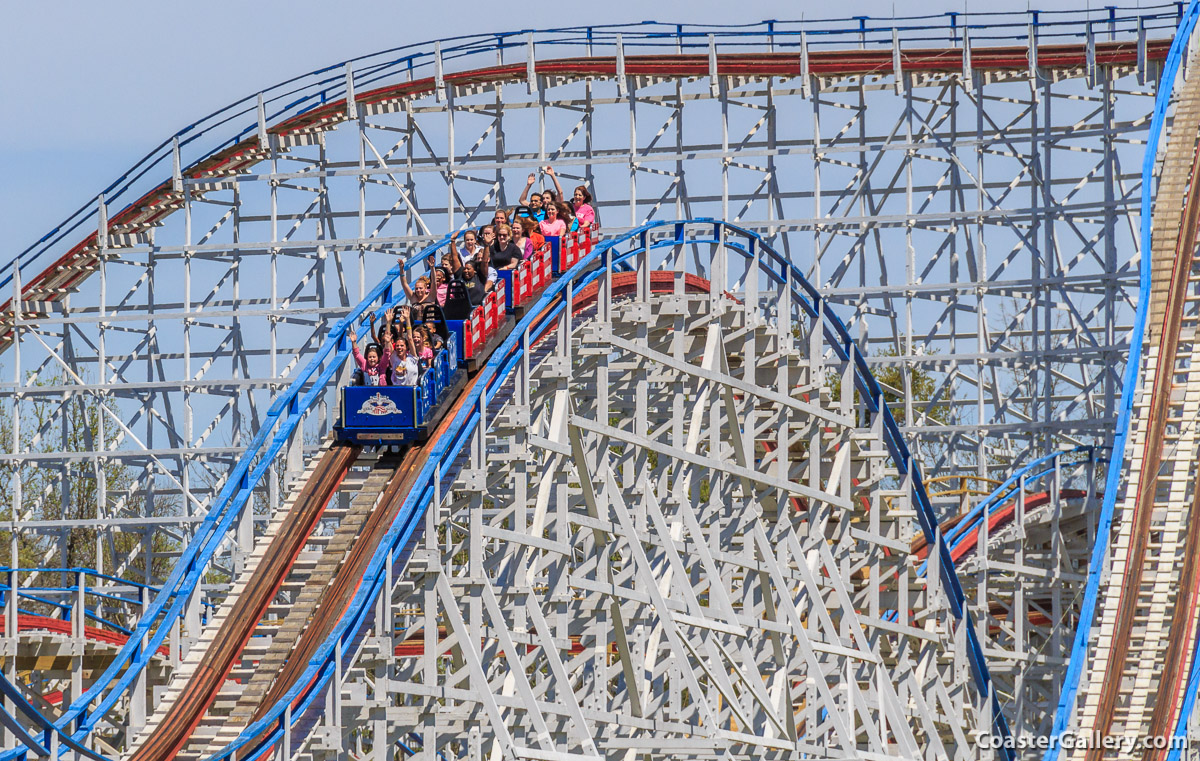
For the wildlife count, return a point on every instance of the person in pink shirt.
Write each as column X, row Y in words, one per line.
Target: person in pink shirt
column 552, row 224
column 585, row 214
column 521, row 240
column 373, row 367
column 421, row 347
column 440, row 286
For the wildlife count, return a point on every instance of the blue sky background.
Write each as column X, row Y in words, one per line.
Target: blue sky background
column 89, row 87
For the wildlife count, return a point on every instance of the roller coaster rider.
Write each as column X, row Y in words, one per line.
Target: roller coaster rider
column 469, row 285
column 404, row 367
column 532, row 203
column 373, row 366
column 505, row 255
column 424, row 308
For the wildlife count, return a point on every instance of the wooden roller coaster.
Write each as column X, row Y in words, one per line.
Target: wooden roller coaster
column 1149, row 610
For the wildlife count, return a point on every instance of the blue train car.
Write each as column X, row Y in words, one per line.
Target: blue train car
column 384, row 415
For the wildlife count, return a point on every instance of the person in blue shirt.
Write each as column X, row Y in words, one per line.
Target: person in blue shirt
column 535, row 202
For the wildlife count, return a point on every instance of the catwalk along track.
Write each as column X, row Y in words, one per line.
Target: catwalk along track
column 325, row 589
column 237, row 636
column 69, row 271
column 1144, row 648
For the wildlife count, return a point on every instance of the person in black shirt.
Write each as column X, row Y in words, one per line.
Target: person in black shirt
column 467, row 288
column 505, row 254
column 475, row 286
column 423, row 305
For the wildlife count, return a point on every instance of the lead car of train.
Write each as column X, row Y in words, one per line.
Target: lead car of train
column 387, row 415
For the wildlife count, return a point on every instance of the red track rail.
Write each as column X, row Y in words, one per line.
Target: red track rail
column 185, row 715
column 69, row 270
column 1183, row 617
column 186, row 712
column 27, row 622
column 997, row 519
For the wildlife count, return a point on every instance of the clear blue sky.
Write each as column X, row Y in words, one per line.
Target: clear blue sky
column 89, row 87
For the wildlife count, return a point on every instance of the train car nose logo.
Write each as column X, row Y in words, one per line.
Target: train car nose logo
column 379, row 405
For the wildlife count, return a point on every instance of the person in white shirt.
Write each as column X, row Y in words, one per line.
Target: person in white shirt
column 470, row 246
column 472, row 253
column 404, row 363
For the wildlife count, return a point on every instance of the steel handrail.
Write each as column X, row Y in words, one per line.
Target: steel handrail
column 1005, row 490
column 27, row 592
column 168, row 605
column 995, row 500
column 1065, row 709
column 299, row 94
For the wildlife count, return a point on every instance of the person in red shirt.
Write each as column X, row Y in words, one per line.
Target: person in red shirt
column 530, row 228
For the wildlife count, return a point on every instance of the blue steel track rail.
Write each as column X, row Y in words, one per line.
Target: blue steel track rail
column 298, row 95
column 282, row 420
column 309, row 686
column 301, row 94
column 1133, row 371
column 77, row 723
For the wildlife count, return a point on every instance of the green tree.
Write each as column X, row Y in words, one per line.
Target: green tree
column 923, row 388
column 891, row 381
column 71, row 492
